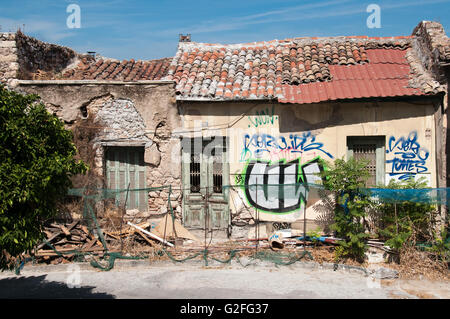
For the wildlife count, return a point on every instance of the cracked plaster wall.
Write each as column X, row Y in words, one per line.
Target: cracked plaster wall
column 127, row 113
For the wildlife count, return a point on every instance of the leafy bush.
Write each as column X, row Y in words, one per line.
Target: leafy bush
column 36, row 163
column 345, row 178
column 406, row 221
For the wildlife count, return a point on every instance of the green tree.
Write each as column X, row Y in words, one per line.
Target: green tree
column 345, row 179
column 37, row 160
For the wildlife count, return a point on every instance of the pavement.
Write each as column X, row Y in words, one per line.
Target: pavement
column 140, row 279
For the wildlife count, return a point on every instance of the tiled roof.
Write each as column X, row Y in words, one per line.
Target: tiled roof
column 387, row 75
column 258, row 70
column 298, row 70
column 108, row 69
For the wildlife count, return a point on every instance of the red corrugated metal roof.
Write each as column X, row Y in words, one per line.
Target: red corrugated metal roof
column 386, row 75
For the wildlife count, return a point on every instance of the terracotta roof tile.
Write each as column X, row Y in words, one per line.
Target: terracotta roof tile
column 266, row 69
column 108, row 69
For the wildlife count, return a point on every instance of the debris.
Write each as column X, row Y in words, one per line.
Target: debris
column 150, row 234
column 173, row 229
column 145, row 237
column 126, row 232
column 275, row 241
column 58, row 233
column 67, row 240
column 327, row 240
column 385, row 273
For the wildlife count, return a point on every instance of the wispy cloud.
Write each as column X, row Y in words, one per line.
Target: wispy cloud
column 304, row 12
column 47, row 30
column 301, row 12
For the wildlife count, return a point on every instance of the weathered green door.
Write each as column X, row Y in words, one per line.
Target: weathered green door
column 125, row 166
column 371, row 149
column 205, row 180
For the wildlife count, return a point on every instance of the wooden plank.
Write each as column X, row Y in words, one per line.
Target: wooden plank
column 49, row 239
column 48, row 233
column 62, row 241
column 89, row 244
column 62, row 228
column 84, row 229
column 52, row 237
column 65, row 230
column 50, row 253
column 69, row 228
column 111, row 235
column 145, row 237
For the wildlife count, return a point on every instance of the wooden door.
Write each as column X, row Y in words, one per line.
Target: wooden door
column 205, row 180
column 125, row 167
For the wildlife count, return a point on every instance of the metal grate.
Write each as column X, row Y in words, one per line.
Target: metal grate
column 217, row 171
column 194, row 173
column 367, row 152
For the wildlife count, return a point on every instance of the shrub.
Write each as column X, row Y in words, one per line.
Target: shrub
column 345, row 178
column 36, row 163
column 406, row 222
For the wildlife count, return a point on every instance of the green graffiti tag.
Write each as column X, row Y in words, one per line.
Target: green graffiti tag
column 263, row 117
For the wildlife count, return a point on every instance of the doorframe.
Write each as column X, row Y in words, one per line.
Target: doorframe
column 107, row 148
column 380, row 142
column 205, row 179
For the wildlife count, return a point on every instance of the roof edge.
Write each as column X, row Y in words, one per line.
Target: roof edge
column 97, row 82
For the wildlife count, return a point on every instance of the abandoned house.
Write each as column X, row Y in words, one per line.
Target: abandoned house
column 217, row 119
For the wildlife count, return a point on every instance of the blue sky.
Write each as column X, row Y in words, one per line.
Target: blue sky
column 125, row 29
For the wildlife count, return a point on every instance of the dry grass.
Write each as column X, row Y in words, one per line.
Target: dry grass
column 415, row 264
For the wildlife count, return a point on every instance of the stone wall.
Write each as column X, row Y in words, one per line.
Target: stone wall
column 431, row 46
column 26, row 58
column 41, row 60
column 144, row 112
column 9, row 61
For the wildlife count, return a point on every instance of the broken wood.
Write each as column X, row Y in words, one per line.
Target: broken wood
column 62, row 228
column 145, row 237
column 89, row 244
column 151, row 235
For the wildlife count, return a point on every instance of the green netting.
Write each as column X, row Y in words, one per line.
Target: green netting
column 290, row 192
column 432, row 196
column 106, row 262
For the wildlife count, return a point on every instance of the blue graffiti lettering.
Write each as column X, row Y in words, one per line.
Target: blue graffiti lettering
column 257, row 144
column 409, row 157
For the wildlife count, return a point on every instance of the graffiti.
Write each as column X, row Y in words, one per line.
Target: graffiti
column 409, row 157
column 280, row 226
column 280, row 187
column 263, row 117
column 262, row 143
column 238, row 179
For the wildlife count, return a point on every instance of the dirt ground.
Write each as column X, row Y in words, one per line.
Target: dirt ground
column 194, row 280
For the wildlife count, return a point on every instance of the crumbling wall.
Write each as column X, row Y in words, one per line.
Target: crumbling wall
column 124, row 113
column 9, row 61
column 26, row 58
column 431, row 48
column 41, row 60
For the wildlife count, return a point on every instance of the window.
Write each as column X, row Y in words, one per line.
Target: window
column 217, row 170
column 194, row 172
column 125, row 167
column 370, row 148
